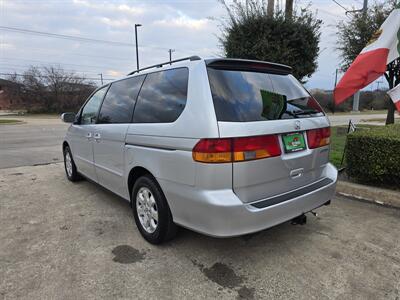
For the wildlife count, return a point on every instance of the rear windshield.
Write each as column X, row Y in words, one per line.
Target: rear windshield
column 242, row 96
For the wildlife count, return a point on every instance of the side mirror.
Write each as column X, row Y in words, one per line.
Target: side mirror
column 68, row 117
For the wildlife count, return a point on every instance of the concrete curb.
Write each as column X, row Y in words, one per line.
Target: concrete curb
column 367, row 193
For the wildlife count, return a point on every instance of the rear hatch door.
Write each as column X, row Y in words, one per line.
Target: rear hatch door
column 254, row 102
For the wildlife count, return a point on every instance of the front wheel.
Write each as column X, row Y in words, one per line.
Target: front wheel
column 151, row 211
column 69, row 165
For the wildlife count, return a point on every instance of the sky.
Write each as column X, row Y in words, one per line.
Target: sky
column 190, row 27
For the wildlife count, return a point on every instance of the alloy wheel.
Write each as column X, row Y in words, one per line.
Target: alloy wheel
column 146, row 208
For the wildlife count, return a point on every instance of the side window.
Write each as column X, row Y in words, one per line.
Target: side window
column 120, row 99
column 91, row 108
column 162, row 97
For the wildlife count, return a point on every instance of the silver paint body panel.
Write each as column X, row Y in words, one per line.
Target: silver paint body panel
column 213, row 199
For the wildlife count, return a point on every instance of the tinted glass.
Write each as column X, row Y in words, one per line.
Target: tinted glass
column 89, row 112
column 162, row 97
column 241, row 96
column 118, row 104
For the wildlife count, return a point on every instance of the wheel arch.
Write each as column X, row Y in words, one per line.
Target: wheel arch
column 64, row 145
column 134, row 174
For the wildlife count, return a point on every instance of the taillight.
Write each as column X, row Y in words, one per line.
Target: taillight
column 236, row 149
column 213, row 151
column 318, row 137
column 248, row 148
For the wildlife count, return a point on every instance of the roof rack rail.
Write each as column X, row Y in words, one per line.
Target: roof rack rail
column 191, row 58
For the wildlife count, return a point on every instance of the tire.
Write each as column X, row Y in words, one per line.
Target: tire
column 149, row 202
column 69, row 166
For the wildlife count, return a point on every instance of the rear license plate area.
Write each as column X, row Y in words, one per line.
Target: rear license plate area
column 293, row 142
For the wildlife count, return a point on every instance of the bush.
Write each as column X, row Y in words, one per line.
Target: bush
column 250, row 33
column 373, row 156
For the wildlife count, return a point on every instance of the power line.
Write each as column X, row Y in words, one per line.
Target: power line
column 45, row 50
column 27, row 66
column 52, row 63
column 102, row 67
column 340, row 5
column 84, row 39
column 46, row 76
column 330, row 14
column 77, row 73
column 64, row 36
column 74, row 38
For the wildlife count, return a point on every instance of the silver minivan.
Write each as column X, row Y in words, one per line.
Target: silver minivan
column 224, row 147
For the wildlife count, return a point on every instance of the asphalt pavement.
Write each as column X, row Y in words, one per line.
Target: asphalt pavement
column 35, row 141
column 63, row 240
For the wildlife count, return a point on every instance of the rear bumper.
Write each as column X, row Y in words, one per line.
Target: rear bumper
column 220, row 213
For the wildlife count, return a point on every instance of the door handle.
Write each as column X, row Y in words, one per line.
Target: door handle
column 88, row 135
column 297, row 173
column 97, row 137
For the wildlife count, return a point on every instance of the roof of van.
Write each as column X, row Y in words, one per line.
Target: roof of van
column 229, row 64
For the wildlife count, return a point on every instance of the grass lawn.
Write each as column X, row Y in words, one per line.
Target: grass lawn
column 43, row 116
column 9, row 121
column 396, row 120
column 338, row 141
column 363, row 112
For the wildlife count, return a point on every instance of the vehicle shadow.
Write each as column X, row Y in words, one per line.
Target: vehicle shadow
column 285, row 234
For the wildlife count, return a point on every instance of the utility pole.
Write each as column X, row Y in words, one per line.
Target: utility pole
column 378, row 83
column 334, row 103
column 170, row 54
column 356, row 102
column 364, row 10
column 137, row 48
column 101, row 78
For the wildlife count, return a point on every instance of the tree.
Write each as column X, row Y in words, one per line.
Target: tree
column 289, row 9
column 270, row 8
column 252, row 32
column 65, row 89
column 354, row 35
column 51, row 89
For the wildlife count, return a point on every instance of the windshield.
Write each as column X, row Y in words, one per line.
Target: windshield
column 244, row 96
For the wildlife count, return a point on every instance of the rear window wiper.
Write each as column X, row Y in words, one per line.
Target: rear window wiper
column 301, row 112
column 304, row 112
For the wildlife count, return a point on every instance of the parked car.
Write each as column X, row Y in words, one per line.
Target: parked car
column 224, row 147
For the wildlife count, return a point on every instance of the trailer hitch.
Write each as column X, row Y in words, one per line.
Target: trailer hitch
column 300, row 220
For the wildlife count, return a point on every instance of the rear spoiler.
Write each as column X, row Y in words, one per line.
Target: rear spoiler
column 248, row 65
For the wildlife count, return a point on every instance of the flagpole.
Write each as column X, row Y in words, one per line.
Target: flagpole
column 356, row 98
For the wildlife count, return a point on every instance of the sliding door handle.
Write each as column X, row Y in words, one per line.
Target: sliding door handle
column 97, row 137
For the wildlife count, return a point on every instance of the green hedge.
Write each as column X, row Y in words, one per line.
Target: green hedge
column 373, row 156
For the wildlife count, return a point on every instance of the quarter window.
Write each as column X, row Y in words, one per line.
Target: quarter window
column 162, row 97
column 118, row 104
column 91, row 108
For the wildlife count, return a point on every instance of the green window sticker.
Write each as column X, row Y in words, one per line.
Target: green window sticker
column 273, row 104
